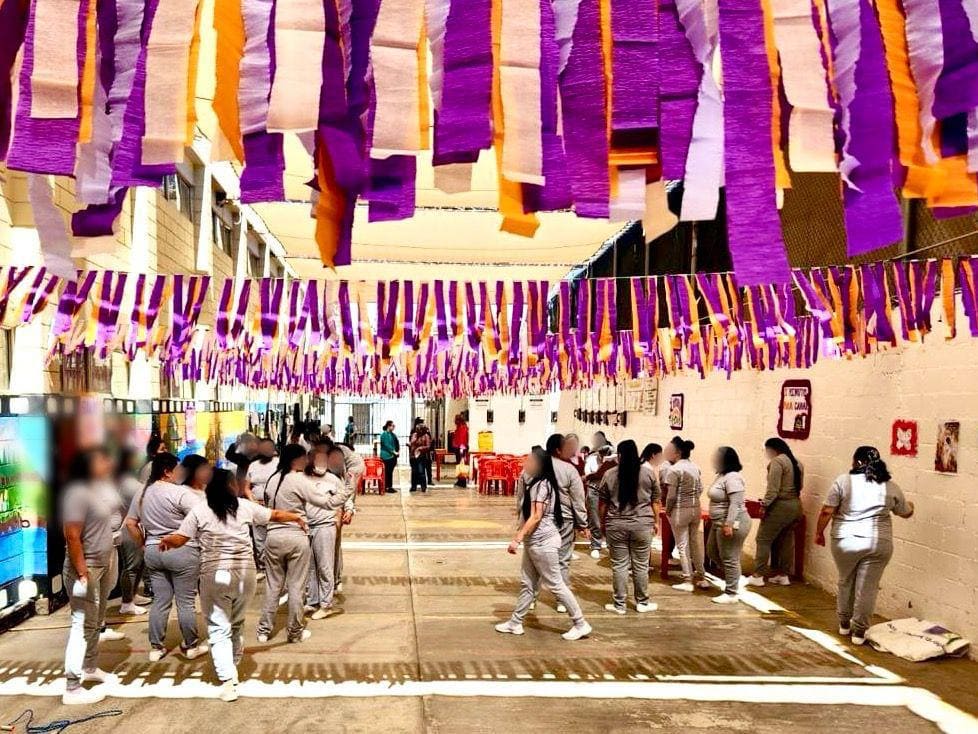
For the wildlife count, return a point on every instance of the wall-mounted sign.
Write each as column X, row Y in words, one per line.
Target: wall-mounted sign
column 642, row 395
column 904, row 438
column 946, row 456
column 676, row 409
column 795, row 409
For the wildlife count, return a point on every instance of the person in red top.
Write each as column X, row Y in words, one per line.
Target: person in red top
column 460, row 443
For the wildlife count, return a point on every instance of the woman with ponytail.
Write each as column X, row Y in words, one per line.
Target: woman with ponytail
column 781, row 506
column 541, row 518
column 627, row 498
column 683, row 484
column 156, row 511
column 859, row 506
column 227, row 567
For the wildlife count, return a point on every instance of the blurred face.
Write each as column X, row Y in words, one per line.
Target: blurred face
column 532, row 466
column 336, row 463
column 571, row 446
column 770, row 453
column 656, row 459
column 717, row 461
column 320, row 464
column 299, row 463
column 390, row 427
column 266, row 449
column 671, row 453
column 101, row 465
column 597, row 441
column 203, row 475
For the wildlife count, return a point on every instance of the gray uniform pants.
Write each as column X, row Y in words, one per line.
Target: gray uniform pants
column 287, row 557
column 224, row 597
column 861, row 562
column 686, row 523
column 567, row 535
column 629, row 544
column 174, row 574
column 725, row 552
column 87, row 617
column 322, row 541
column 130, row 567
column 776, row 537
column 541, row 564
column 593, row 519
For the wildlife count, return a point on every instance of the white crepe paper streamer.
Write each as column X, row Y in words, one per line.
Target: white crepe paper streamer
column 926, row 50
column 255, row 82
column 629, row 202
column 55, row 76
column 300, row 35
column 52, row 233
column 436, row 16
column 454, row 178
column 565, row 18
column 519, row 83
column 393, row 53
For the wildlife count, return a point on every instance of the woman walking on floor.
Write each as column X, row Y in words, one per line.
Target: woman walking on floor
column 781, row 508
column 541, row 518
column 729, row 521
column 325, row 470
column 683, row 485
column 628, row 498
column 227, row 567
column 859, row 506
column 156, row 511
column 390, row 447
column 130, row 552
column 90, row 569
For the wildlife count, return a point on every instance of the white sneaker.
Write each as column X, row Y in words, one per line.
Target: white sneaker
column 309, row 608
column 306, row 634
column 643, row 607
column 322, row 613
column 613, row 608
column 110, row 635
column 99, row 676
column 509, row 627
column 595, row 554
column 192, row 653
column 703, row 584
column 725, row 599
column 533, row 605
column 157, row 654
column 262, row 638
column 756, row 581
column 339, row 587
column 229, row 691
column 857, row 640
column 575, row 557
column 684, row 586
column 577, row 631
column 132, row 609
column 260, row 576
column 561, row 609
column 82, row 696
column 780, row 580
column 140, row 599
column 845, row 631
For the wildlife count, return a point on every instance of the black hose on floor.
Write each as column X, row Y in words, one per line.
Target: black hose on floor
column 58, row 725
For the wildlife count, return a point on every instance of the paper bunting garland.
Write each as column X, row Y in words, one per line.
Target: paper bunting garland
column 589, row 105
column 471, row 338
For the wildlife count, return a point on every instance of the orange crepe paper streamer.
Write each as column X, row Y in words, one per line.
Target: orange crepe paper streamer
column 782, row 178
column 949, row 267
column 515, row 221
column 192, row 80
column 229, row 27
column 423, row 101
column 88, row 77
column 329, row 209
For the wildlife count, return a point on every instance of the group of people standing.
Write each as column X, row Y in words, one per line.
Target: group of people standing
column 420, row 453
column 195, row 529
column 614, row 499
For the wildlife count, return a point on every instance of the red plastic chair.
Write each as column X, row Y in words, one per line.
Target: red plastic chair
column 494, row 477
column 373, row 476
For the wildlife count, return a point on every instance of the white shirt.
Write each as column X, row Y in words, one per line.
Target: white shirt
column 258, row 476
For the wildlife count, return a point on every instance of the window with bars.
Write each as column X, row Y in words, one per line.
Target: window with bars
column 223, row 234
column 180, row 191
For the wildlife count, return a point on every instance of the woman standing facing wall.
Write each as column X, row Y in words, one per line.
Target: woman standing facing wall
column 782, row 509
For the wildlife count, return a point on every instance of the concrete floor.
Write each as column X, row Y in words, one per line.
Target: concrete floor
column 427, row 576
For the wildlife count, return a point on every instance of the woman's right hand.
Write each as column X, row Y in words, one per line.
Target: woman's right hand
column 514, row 546
column 820, row 539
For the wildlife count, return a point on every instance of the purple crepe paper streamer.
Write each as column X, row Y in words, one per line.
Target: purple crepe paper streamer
column 44, row 145
column 634, row 63
column 753, row 224
column 463, row 126
column 583, row 107
column 555, row 193
column 96, row 220
column 872, row 214
column 954, row 135
column 13, row 24
column 392, row 187
column 261, row 178
column 678, row 88
column 956, row 91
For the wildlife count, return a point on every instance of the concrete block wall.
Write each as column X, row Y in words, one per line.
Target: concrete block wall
column 934, row 570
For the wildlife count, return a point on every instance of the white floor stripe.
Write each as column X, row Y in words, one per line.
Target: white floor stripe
column 919, row 701
column 365, row 545
column 796, row 679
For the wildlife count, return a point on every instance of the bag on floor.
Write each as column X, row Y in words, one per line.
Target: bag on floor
column 462, row 471
column 916, row 639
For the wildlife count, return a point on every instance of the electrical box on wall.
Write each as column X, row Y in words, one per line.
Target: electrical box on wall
column 489, row 416
column 521, row 416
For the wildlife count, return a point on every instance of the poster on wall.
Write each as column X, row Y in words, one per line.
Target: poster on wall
column 676, row 408
column 795, row 409
column 642, row 395
column 904, row 438
column 946, row 458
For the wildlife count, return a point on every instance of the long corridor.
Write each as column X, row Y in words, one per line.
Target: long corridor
column 427, row 577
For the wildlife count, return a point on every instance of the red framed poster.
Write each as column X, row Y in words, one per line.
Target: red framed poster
column 904, row 438
column 795, row 409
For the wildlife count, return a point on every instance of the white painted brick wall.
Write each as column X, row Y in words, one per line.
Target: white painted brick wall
column 934, row 571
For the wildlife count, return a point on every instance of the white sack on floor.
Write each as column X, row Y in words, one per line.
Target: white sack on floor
column 916, row 639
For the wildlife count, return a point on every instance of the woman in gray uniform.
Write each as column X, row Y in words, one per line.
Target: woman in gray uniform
column 227, row 567
column 627, row 498
column 682, row 485
column 782, row 509
column 573, row 504
column 541, row 518
column 156, row 511
column 325, row 470
column 90, row 570
column 859, row 506
column 729, row 521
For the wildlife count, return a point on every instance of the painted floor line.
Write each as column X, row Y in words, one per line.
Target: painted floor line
column 779, row 679
column 921, row 702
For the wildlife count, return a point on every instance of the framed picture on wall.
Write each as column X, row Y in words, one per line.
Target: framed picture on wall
column 795, row 409
column 904, row 438
column 946, row 455
column 676, row 409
